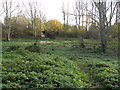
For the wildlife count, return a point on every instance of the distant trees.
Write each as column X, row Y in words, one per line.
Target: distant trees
column 95, row 22
column 36, row 15
column 78, row 13
column 18, row 22
column 18, row 26
column 80, row 18
column 100, row 13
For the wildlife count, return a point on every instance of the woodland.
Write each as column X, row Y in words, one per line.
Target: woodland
column 49, row 54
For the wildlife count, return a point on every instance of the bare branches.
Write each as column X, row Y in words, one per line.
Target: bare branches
column 106, row 11
column 63, row 11
column 33, row 11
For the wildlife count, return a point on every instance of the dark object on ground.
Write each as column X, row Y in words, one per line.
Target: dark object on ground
column 90, row 65
column 34, row 48
column 102, row 65
column 50, row 34
column 12, row 48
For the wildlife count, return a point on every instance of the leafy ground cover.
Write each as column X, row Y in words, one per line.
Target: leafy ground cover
column 62, row 64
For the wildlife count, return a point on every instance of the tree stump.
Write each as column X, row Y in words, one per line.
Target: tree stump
column 81, row 42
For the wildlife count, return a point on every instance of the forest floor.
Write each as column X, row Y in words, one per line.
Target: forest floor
column 69, row 65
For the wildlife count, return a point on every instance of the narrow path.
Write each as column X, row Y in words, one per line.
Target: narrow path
column 94, row 84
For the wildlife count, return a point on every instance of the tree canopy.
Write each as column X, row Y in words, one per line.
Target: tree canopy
column 54, row 25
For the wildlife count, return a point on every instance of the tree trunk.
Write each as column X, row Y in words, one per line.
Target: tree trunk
column 8, row 37
column 103, row 44
column 103, row 38
column 33, row 29
column 35, row 34
column 0, row 31
column 81, row 42
column 102, row 20
column 8, row 32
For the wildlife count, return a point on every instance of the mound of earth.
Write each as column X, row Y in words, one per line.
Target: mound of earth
column 34, row 48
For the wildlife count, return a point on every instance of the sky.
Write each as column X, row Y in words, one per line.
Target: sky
column 52, row 8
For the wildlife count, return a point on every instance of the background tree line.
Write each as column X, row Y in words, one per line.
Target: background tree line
column 90, row 23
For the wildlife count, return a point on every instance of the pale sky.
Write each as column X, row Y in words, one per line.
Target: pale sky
column 52, row 8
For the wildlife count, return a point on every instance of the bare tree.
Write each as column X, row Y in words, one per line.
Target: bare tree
column 102, row 13
column 8, row 10
column 79, row 18
column 31, row 13
column 67, row 15
column 34, row 11
column 64, row 14
column 75, row 17
column 118, row 12
column 87, row 16
column 104, row 18
column 42, row 20
column 41, row 15
column 78, row 9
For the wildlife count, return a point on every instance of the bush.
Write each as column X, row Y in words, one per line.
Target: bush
column 73, row 33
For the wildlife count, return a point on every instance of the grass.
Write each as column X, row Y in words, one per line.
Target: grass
column 62, row 64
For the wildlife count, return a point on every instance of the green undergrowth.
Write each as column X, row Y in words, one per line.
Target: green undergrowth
column 62, row 64
column 24, row 69
column 103, row 71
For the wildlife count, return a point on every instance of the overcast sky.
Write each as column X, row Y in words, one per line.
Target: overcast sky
column 52, row 8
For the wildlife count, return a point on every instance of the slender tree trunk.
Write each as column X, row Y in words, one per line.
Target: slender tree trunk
column 8, row 29
column 0, row 31
column 103, row 38
column 103, row 34
column 64, row 19
column 33, row 29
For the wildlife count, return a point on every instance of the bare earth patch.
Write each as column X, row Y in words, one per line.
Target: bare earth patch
column 46, row 42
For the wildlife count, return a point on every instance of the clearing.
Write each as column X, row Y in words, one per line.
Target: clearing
column 60, row 64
